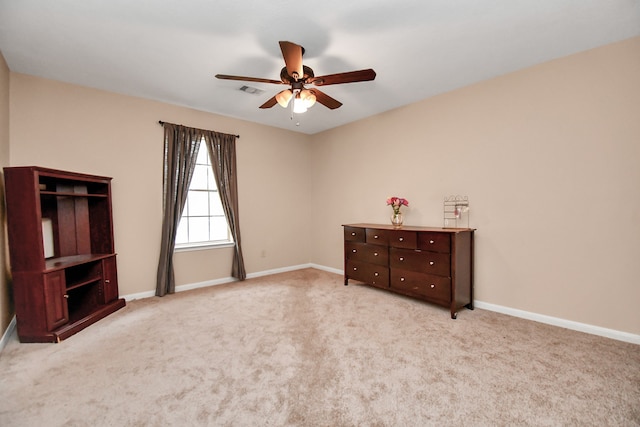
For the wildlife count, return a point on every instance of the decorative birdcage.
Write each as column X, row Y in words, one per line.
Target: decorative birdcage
column 456, row 212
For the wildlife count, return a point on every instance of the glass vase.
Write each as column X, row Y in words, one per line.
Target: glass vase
column 397, row 219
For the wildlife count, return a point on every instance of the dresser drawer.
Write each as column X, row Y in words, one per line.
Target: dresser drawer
column 366, row 253
column 377, row 237
column 403, row 239
column 437, row 242
column 421, row 285
column 420, row 261
column 354, row 234
column 372, row 274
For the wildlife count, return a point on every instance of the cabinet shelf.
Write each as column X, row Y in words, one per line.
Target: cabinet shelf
column 69, row 194
column 61, row 263
column 84, row 282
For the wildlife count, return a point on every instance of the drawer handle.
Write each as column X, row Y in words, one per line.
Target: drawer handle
column 402, row 279
column 375, row 237
column 106, row 281
column 432, row 286
column 431, row 242
column 375, row 254
column 354, row 250
column 401, row 258
column 401, row 239
column 376, row 274
column 353, row 233
column 355, row 268
column 66, row 296
column 415, row 288
column 431, row 262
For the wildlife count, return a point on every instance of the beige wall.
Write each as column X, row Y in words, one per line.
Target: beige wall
column 6, row 305
column 69, row 127
column 549, row 157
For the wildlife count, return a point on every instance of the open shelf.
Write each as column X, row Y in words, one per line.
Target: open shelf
column 87, row 281
column 68, row 194
column 65, row 262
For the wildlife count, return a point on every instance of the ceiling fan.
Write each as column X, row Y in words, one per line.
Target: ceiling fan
column 297, row 75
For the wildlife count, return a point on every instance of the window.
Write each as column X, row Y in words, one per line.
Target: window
column 203, row 222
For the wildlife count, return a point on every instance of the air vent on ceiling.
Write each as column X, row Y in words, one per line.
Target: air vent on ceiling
column 251, row 90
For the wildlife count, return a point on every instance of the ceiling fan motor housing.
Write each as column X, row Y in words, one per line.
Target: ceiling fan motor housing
column 286, row 78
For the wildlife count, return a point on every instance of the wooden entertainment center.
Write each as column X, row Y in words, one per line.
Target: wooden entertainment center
column 427, row 263
column 61, row 247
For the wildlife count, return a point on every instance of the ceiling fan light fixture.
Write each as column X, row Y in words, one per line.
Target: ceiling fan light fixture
column 284, row 97
column 308, row 98
column 299, row 106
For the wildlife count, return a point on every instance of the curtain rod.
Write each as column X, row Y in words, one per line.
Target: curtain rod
column 162, row 124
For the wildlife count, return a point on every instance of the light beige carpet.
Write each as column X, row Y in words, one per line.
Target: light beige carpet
column 301, row 349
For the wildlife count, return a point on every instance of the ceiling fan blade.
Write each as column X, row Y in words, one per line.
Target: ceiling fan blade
column 349, row 77
column 292, row 54
column 326, row 100
column 248, row 79
column 270, row 103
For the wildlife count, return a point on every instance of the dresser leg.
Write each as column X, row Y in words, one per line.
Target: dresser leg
column 346, row 281
column 470, row 305
column 454, row 315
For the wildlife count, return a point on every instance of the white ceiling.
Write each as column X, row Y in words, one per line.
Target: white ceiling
column 170, row 50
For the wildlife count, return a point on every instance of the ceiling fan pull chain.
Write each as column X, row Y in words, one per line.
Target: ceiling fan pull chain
column 293, row 112
column 291, row 106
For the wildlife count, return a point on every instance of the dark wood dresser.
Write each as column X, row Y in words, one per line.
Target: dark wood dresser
column 427, row 263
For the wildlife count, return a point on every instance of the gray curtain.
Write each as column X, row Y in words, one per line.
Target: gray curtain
column 181, row 146
column 222, row 150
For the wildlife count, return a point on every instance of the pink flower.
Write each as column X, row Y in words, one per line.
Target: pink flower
column 396, row 203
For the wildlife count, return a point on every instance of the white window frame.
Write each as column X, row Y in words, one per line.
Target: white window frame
column 211, row 187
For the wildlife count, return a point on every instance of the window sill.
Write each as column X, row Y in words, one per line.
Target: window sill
column 203, row 246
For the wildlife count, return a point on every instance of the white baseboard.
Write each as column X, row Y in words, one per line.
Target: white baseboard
column 541, row 318
column 181, row 288
column 205, row 284
column 563, row 323
column 8, row 333
column 549, row 320
column 214, row 282
column 139, row 295
column 555, row 321
column 224, row 280
column 327, row 269
column 278, row 270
